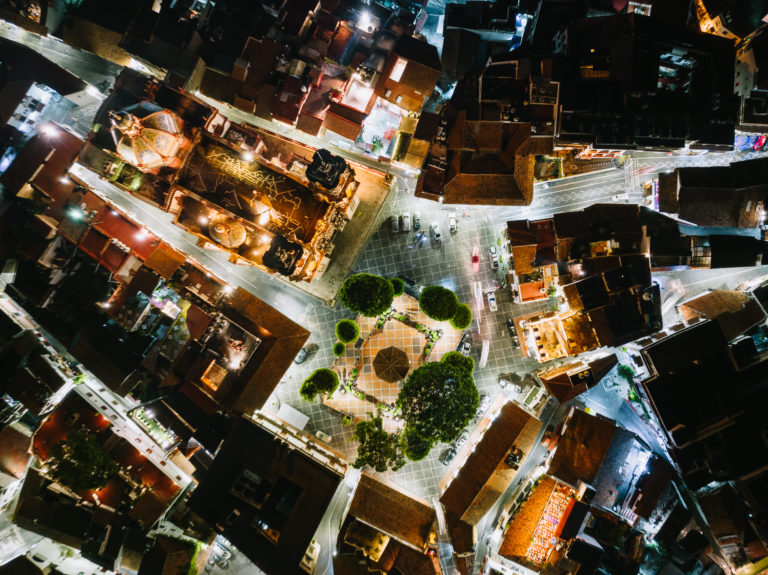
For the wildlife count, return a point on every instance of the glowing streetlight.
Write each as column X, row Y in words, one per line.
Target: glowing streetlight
column 49, row 130
column 247, row 157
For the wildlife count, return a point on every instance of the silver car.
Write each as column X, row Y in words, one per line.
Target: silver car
column 406, row 222
column 435, row 230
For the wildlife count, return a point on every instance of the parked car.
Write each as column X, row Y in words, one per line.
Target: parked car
column 515, row 342
column 394, row 223
column 406, row 222
column 464, row 346
column 435, row 231
column 462, row 439
column 476, row 259
column 511, row 327
column 453, row 225
column 306, row 353
column 417, row 221
column 447, row 455
column 759, row 143
column 485, row 401
column 494, row 255
column 506, row 384
column 323, row 436
column 492, row 301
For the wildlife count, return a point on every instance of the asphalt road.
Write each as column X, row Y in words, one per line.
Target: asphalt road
column 86, row 66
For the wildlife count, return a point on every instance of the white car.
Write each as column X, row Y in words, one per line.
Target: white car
column 492, row 301
column 406, row 222
column 453, row 226
column 435, row 231
column 494, row 255
column 417, row 221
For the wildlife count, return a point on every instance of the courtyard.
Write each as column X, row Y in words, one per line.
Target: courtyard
column 391, row 346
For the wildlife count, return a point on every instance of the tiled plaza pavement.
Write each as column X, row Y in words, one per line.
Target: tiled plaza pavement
column 447, row 264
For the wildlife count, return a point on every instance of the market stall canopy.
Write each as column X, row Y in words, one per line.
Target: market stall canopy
column 391, row 364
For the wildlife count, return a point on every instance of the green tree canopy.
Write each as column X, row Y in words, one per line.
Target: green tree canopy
column 320, row 381
column 347, row 330
column 377, row 448
column 438, row 303
column 338, row 348
column 437, row 401
column 398, row 285
column 366, row 294
column 463, row 317
column 625, row 371
column 80, row 463
column 458, row 361
column 415, row 446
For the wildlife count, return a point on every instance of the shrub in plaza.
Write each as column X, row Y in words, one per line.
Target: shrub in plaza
column 625, row 371
column 347, row 330
column 415, row 446
column 398, row 285
column 458, row 361
column 338, row 348
column 379, row 449
column 437, row 401
column 462, row 318
column 366, row 294
column 438, row 303
column 320, row 381
column 80, row 463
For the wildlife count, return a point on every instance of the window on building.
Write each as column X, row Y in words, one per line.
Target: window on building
column 397, row 71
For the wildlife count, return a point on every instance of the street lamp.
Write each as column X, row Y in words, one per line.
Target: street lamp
column 49, row 130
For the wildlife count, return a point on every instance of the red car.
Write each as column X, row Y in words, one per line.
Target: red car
column 759, row 143
column 476, row 259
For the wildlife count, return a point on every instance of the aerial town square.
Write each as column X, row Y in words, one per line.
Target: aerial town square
column 383, row 287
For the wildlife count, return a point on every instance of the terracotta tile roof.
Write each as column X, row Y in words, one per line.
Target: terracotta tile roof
column 519, row 233
column 523, row 257
column 668, row 193
column 489, row 163
column 733, row 310
column 391, row 511
column 477, row 486
column 14, row 452
column 582, row 448
column 281, row 341
column 564, row 382
column 165, row 261
column 519, row 533
column 463, row 537
column 344, row 121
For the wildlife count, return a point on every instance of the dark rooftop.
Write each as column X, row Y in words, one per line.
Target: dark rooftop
column 386, row 508
column 268, row 500
column 582, row 447
column 468, row 495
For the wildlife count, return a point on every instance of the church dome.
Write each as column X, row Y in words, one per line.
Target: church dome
column 148, row 136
